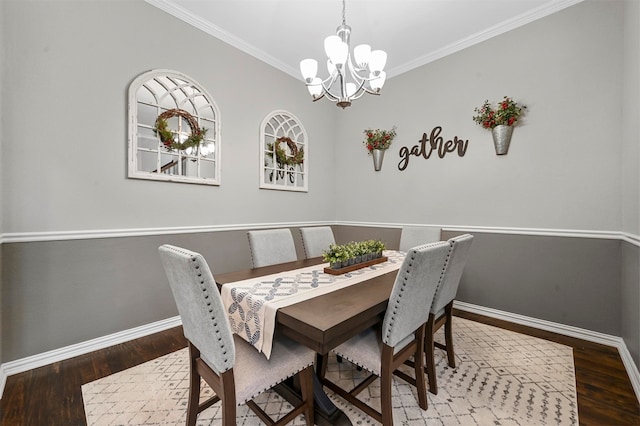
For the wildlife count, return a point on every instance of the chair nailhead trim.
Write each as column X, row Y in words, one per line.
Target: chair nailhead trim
column 196, row 266
column 279, row 381
column 444, row 268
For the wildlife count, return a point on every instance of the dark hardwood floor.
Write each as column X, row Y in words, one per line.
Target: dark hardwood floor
column 51, row 395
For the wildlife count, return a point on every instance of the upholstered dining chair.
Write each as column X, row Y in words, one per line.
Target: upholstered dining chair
column 381, row 350
column 441, row 309
column 235, row 370
column 316, row 239
column 271, row 246
column 412, row 236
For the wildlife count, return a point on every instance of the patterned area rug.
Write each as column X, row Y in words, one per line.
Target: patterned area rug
column 501, row 378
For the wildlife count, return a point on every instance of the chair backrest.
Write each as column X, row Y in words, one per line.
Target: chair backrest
column 413, row 236
column 315, row 240
column 414, row 288
column 271, row 246
column 204, row 319
column 458, row 255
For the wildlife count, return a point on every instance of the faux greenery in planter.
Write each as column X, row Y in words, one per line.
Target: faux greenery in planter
column 341, row 255
column 376, row 247
column 336, row 255
column 360, row 250
column 500, row 121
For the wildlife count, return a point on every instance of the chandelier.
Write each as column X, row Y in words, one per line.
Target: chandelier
column 350, row 77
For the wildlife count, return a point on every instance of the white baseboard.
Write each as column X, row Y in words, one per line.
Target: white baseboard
column 566, row 330
column 35, row 361
column 25, row 364
column 3, row 379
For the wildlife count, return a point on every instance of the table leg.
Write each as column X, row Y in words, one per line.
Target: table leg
column 321, row 365
column 326, row 413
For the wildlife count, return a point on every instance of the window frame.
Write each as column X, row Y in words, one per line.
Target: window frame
column 278, row 124
column 184, row 94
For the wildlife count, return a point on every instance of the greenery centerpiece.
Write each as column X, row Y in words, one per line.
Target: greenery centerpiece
column 336, row 255
column 343, row 255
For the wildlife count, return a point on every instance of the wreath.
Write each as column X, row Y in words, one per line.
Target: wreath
column 297, row 155
column 166, row 135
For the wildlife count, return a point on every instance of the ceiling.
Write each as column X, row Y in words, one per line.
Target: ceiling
column 412, row 32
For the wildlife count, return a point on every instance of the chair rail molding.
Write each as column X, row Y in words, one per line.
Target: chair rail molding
column 23, row 237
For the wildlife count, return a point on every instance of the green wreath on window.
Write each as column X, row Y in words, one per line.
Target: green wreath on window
column 296, row 157
column 166, row 135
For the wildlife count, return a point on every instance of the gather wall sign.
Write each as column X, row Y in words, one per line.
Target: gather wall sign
column 429, row 145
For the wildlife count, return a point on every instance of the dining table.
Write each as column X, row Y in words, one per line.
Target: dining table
column 324, row 321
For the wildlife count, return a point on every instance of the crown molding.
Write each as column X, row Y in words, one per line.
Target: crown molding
column 223, row 35
column 549, row 8
column 545, row 10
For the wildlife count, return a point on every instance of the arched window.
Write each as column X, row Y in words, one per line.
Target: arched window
column 174, row 129
column 284, row 153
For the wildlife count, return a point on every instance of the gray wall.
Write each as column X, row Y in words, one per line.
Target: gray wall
column 631, row 120
column 1, row 148
column 70, row 66
column 631, row 178
column 630, row 311
column 71, row 63
column 67, row 66
column 61, row 293
column 572, row 281
column 566, row 280
column 66, row 292
column 563, row 167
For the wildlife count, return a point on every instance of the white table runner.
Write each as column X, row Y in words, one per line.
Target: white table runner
column 252, row 304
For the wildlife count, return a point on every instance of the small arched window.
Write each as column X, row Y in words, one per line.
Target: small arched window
column 174, row 130
column 284, row 153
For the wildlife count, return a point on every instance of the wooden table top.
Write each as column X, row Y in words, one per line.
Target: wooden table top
column 325, row 321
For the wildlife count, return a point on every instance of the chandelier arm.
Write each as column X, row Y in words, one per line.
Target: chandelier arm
column 361, row 79
column 326, row 87
column 356, row 76
column 354, row 70
column 318, row 98
column 331, row 77
column 369, row 91
column 359, row 93
column 329, row 95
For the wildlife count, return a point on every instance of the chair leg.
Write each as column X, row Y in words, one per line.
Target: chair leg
column 228, row 398
column 419, row 370
column 386, row 377
column 306, row 388
column 448, row 335
column 429, row 353
column 194, row 387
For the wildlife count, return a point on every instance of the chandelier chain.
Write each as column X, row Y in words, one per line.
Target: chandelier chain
column 344, row 12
